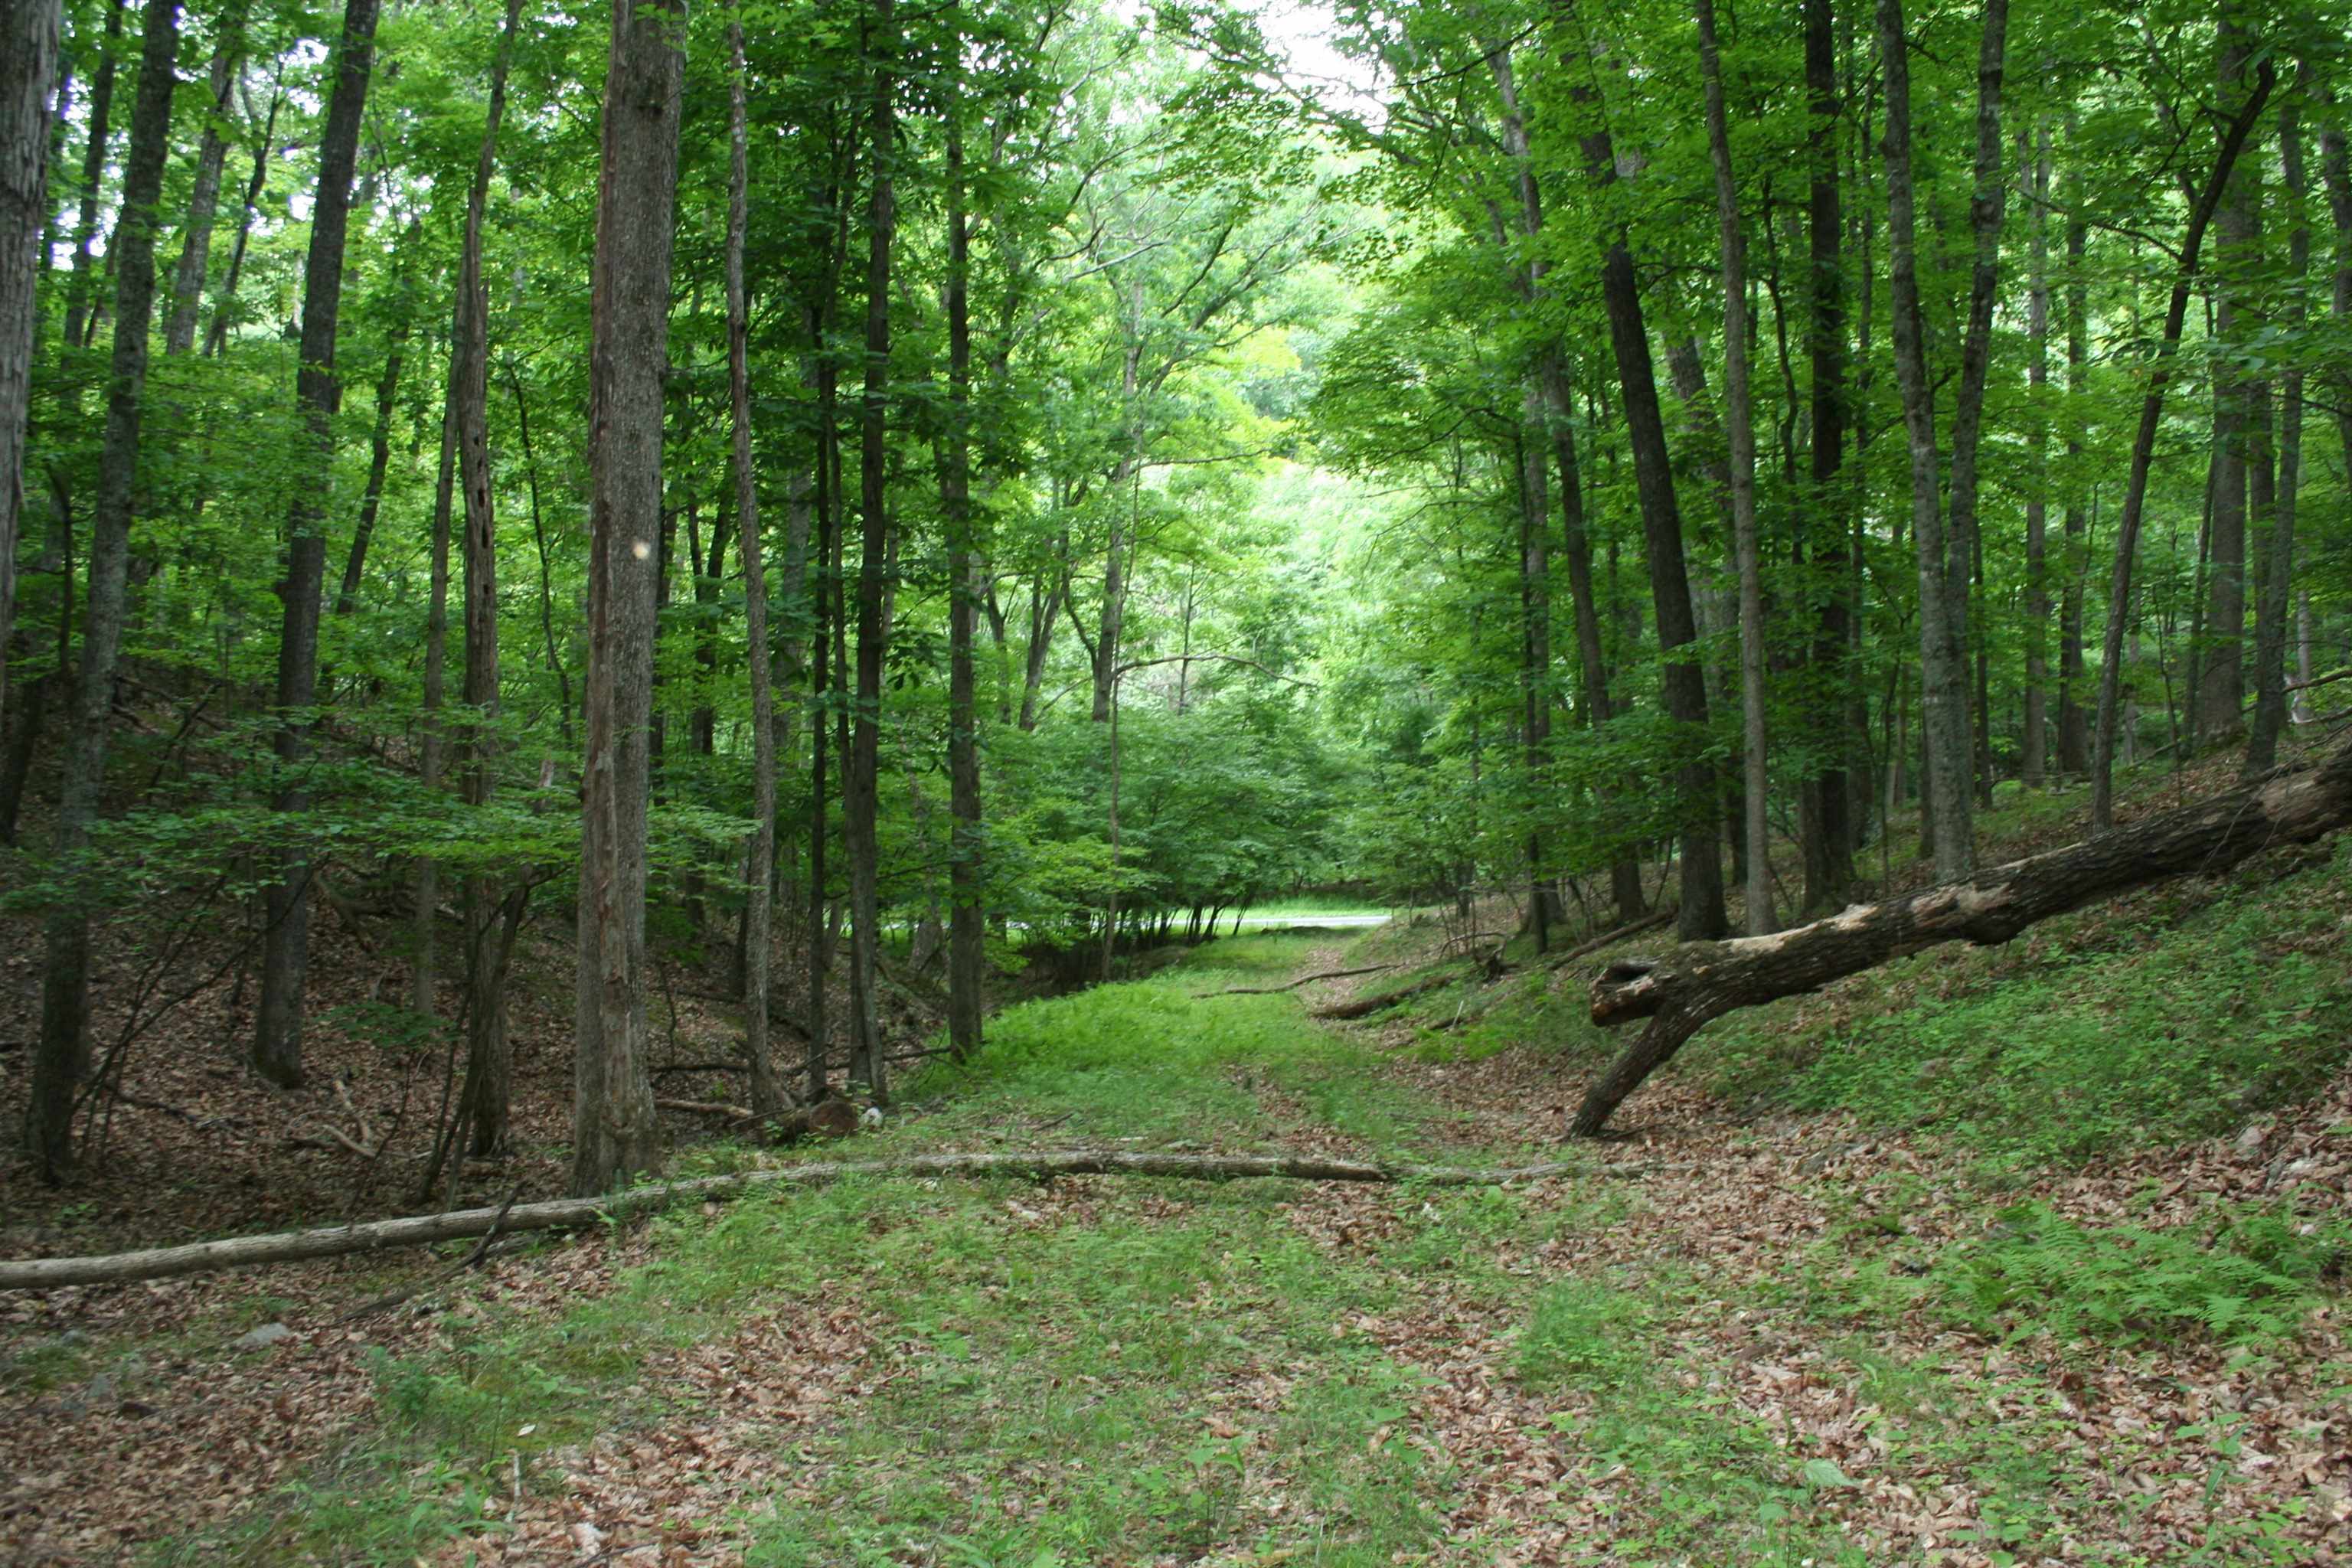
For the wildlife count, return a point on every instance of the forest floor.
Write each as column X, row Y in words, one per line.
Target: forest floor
column 1984, row 1258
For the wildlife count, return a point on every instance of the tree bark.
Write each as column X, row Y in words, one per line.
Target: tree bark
column 2151, row 412
column 61, row 1057
column 2275, row 603
column 1701, row 911
column 1683, row 992
column 768, row 1095
column 204, row 198
column 2074, row 728
column 1942, row 564
column 490, row 928
column 276, row 1052
column 1740, row 416
column 2237, row 257
column 217, row 335
column 30, row 31
column 615, row 1130
column 2033, row 765
column 1824, row 806
column 866, row 1052
column 967, row 914
column 93, row 178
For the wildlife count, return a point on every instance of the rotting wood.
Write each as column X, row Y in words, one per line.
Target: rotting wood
column 420, row 1230
column 1683, row 990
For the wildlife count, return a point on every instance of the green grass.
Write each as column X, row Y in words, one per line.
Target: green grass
column 1046, row 1386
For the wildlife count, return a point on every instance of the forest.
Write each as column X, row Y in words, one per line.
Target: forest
column 755, row 610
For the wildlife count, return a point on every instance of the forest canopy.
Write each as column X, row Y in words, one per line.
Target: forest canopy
column 827, row 489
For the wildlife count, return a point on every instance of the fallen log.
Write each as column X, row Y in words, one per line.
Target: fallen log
column 1700, row 982
column 1365, row 1007
column 1302, row 980
column 419, row 1230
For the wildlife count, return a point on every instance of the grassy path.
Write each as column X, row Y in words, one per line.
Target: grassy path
column 1733, row 1365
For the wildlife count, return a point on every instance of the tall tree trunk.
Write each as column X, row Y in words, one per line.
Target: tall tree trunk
column 1739, row 414
column 2033, row 765
column 29, row 35
column 277, row 1017
column 2151, row 412
column 1537, row 446
column 432, row 739
column 490, row 1064
column 1988, row 206
column 2237, row 257
column 967, row 915
column 62, row 1056
column 1700, row 916
column 615, row 1131
column 768, row 1096
column 1943, row 565
column 2275, row 604
column 1824, row 794
column 867, row 1065
column 2073, row 727
column 216, row 334
column 204, row 198
column 822, row 708
column 93, row 178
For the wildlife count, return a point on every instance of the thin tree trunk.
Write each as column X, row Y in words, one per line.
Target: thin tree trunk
column 1943, row 577
column 2277, row 584
column 387, row 392
column 489, row 926
column 546, row 578
column 93, row 178
column 768, row 1095
column 217, row 335
column 866, row 1064
column 967, row 914
column 1739, row 414
column 2144, row 448
column 277, row 1017
column 2033, row 765
column 2237, row 257
column 615, row 1130
column 30, row 31
column 62, row 1056
column 204, row 198
column 432, row 741
column 2073, row 727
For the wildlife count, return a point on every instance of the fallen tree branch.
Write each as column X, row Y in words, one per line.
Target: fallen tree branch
column 699, row 1067
column 707, row 1108
column 473, row 1259
column 1365, row 1007
column 1584, row 950
column 1682, row 991
column 1302, row 980
column 419, row 1230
